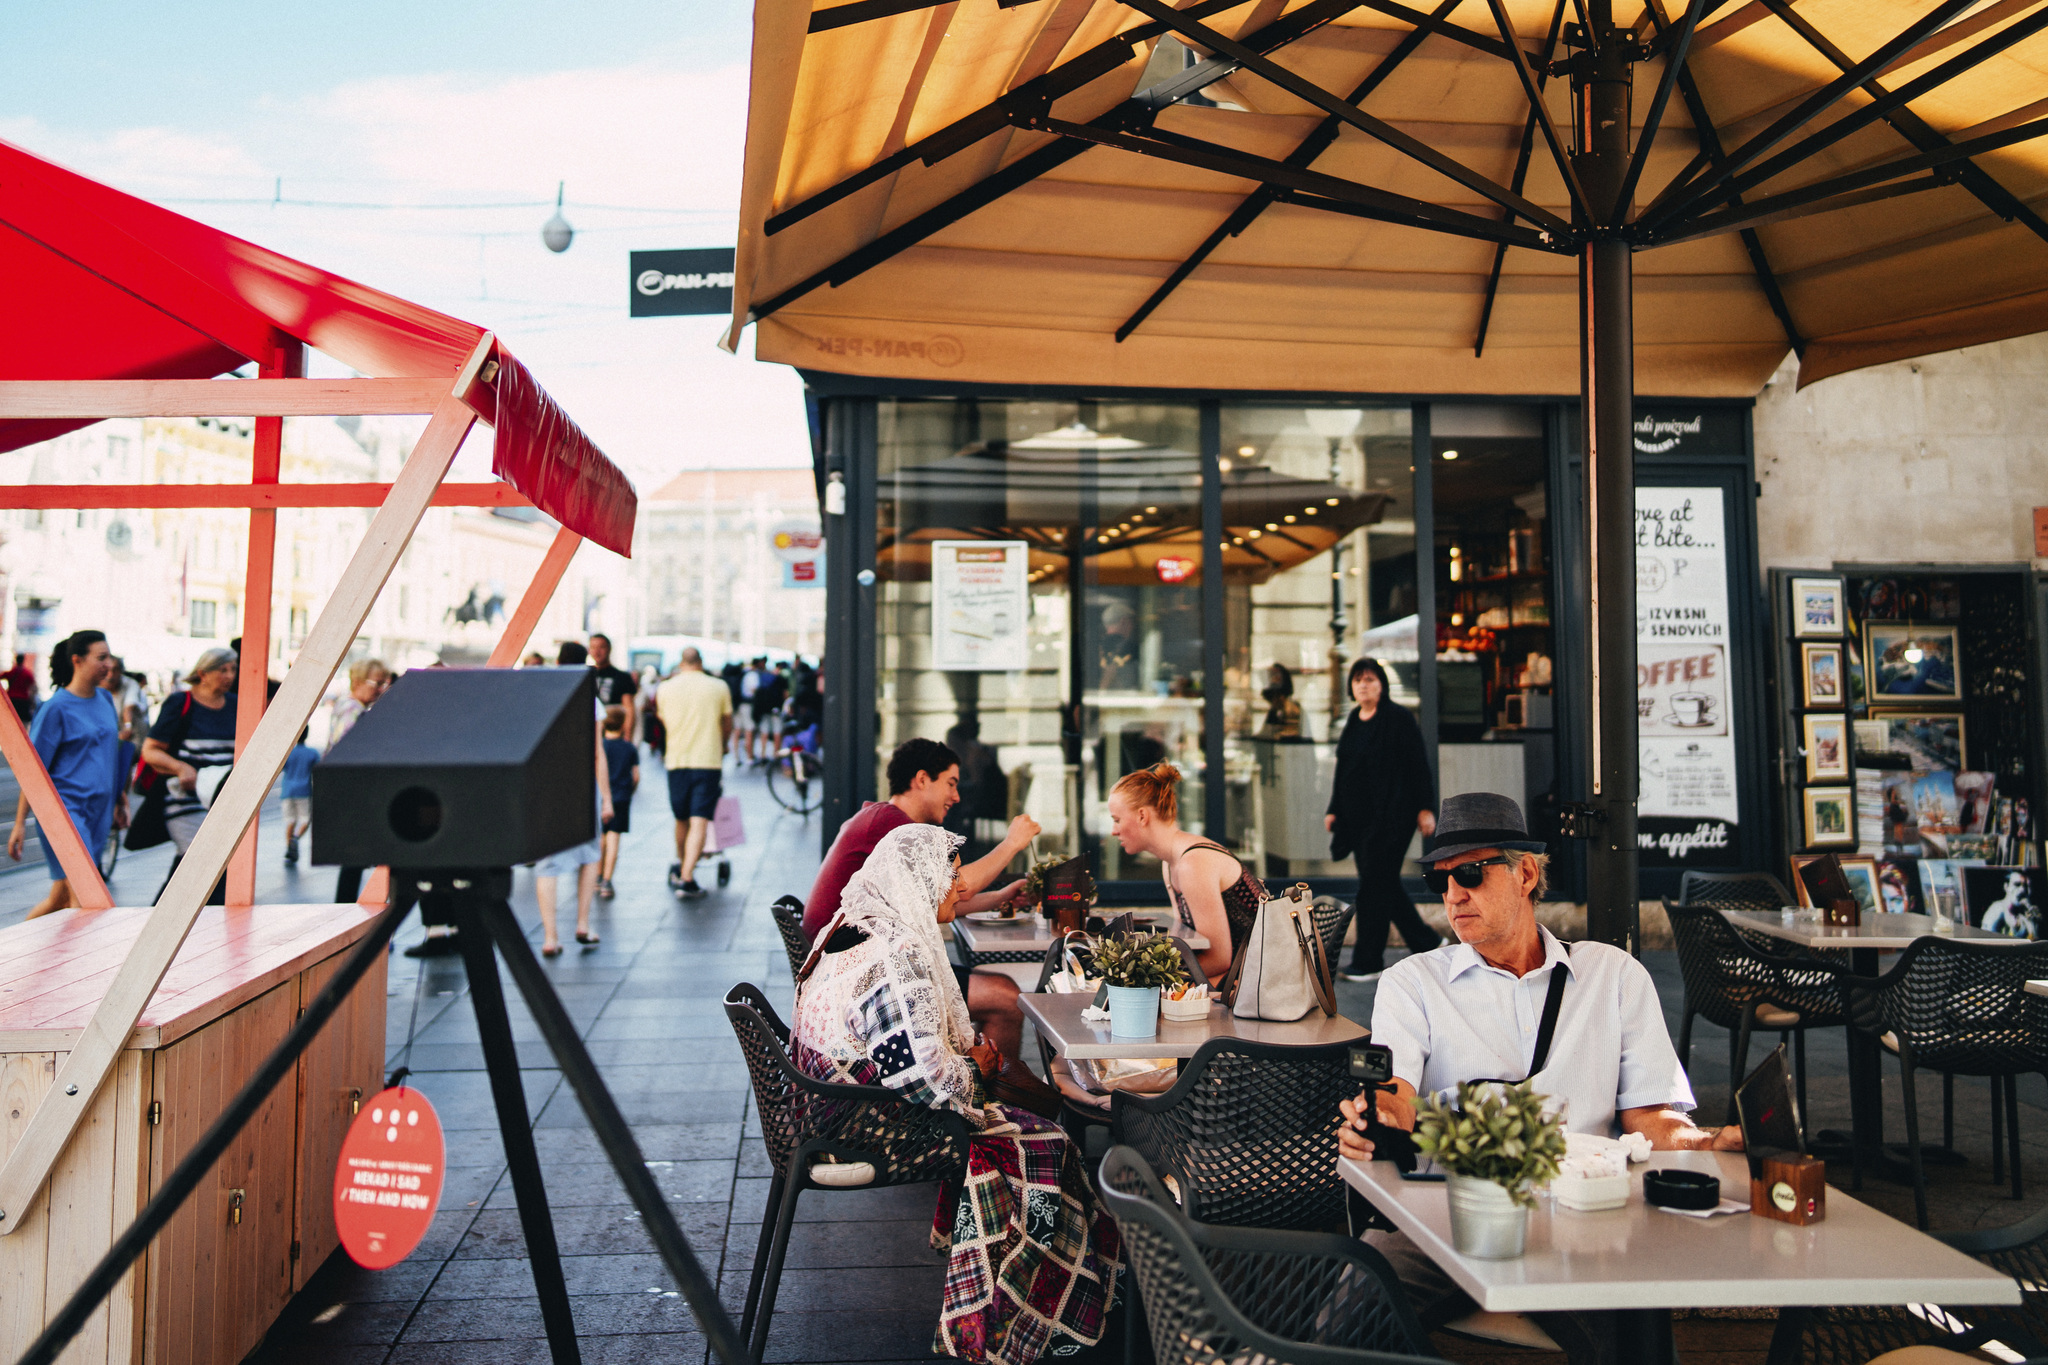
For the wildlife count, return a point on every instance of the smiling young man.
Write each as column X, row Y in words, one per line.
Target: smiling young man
column 1475, row 1010
column 924, row 783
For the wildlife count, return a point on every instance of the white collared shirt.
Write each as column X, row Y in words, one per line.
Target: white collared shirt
column 1450, row 1017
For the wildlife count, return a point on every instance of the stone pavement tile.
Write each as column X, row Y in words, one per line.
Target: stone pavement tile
column 609, row 1053
column 872, row 1334
column 343, row 1281
column 525, row 1352
column 691, row 1069
column 591, row 1231
column 590, row 1184
column 515, row 1319
column 512, row 1278
column 658, row 1348
column 893, row 1203
column 350, row 1324
column 844, row 1290
column 697, row 1106
column 533, row 1056
column 463, row 1098
column 657, row 1141
column 612, row 1028
column 754, row 1160
column 831, row 1246
column 656, row 1007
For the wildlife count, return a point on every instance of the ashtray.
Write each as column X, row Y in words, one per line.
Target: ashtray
column 1680, row 1189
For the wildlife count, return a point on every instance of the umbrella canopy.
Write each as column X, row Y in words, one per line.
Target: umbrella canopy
column 102, row 285
column 1120, row 192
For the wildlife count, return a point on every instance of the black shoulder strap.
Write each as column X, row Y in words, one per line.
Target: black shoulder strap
column 1552, row 1003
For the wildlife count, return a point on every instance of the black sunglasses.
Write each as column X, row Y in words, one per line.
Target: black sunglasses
column 1468, row 875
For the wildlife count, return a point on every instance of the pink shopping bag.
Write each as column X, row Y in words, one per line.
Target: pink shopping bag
column 728, row 827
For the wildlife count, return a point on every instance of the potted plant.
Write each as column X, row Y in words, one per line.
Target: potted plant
column 1497, row 1146
column 1133, row 968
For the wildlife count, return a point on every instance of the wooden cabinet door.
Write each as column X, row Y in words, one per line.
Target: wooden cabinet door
column 342, row 1067
column 217, row 1281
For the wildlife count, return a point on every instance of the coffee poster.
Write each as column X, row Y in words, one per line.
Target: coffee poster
column 1685, row 728
column 981, row 605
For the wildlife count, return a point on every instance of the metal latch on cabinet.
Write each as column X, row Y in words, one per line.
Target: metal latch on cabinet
column 355, row 1099
column 156, row 1112
column 235, row 1207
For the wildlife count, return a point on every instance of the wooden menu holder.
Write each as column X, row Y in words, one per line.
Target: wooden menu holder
column 1788, row 1186
column 1066, row 900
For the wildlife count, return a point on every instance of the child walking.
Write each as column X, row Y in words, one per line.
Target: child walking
column 298, row 795
column 622, row 761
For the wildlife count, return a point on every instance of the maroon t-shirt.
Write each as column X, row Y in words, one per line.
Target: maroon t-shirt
column 857, row 838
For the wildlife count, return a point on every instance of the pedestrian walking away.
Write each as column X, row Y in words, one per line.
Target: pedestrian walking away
column 297, row 791
column 924, row 785
column 21, row 688
column 192, row 746
column 766, row 704
column 580, row 862
column 696, row 710
column 622, row 764
column 77, row 734
column 367, row 680
column 1383, row 793
column 615, row 686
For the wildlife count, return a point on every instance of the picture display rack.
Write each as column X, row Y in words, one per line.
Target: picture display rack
column 1818, row 752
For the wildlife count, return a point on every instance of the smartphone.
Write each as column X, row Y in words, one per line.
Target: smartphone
column 1425, row 1169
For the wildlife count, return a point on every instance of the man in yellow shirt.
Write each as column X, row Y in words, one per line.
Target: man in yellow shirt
column 696, row 709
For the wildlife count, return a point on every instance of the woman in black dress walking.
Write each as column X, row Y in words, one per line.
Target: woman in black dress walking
column 1383, row 793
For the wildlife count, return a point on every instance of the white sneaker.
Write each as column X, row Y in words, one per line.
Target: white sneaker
column 1359, row 976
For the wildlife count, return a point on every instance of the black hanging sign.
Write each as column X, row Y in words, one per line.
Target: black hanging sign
column 677, row 283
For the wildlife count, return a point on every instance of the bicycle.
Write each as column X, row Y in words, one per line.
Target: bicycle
column 794, row 780
column 111, row 854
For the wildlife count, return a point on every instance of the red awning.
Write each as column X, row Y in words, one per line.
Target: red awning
column 102, row 285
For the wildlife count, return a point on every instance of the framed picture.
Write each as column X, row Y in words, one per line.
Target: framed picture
column 1928, row 739
column 1898, row 883
column 1903, row 662
column 1826, row 741
column 1830, row 817
column 2005, row 900
column 1861, row 874
column 1820, row 670
column 1817, row 608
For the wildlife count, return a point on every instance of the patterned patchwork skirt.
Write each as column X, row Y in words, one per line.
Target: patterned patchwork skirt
column 1032, row 1259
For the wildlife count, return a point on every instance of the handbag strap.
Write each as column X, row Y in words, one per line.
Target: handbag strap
column 1321, row 983
column 1552, row 1003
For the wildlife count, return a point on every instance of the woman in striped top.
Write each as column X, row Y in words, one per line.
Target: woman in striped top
column 194, row 730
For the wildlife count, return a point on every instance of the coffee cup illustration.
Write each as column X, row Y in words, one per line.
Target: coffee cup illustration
column 1691, row 710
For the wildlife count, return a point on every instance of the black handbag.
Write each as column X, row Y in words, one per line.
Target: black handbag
column 147, row 827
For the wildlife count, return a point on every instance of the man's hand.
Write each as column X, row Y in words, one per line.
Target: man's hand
column 986, row 1059
column 1426, row 822
column 1395, row 1111
column 188, row 777
column 1013, row 894
column 1023, row 830
column 1672, row 1130
column 1329, row 824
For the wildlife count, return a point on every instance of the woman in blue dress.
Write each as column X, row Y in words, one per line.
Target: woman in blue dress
column 78, row 736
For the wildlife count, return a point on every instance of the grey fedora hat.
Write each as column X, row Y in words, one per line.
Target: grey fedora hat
column 1472, row 821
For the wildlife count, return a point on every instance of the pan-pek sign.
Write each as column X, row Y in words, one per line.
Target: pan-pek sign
column 680, row 283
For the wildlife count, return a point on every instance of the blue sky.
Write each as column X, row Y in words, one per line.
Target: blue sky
column 639, row 108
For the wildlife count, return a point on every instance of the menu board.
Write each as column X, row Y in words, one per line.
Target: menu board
column 981, row 605
column 1685, row 727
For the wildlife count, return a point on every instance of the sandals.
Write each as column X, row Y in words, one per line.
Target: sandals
column 587, row 940
column 555, row 951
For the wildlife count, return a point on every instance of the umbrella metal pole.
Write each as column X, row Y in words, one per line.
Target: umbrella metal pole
column 1607, row 371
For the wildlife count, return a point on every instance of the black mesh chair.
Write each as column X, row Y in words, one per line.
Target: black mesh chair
column 1840, row 1336
column 1729, row 981
column 1960, row 1008
column 1243, row 1294
column 1735, row 891
column 789, row 922
column 1249, row 1132
column 1332, row 917
column 805, row 1120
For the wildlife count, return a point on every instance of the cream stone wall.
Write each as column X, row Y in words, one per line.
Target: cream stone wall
column 1941, row 459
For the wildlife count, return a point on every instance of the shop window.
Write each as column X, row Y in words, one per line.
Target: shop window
column 202, row 618
column 1038, row 607
column 1319, row 568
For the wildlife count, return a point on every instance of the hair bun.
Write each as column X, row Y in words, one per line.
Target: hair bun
column 1165, row 773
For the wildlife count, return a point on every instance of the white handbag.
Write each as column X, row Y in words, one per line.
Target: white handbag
column 1281, row 972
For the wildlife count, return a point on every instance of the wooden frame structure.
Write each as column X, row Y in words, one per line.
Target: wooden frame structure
column 131, row 289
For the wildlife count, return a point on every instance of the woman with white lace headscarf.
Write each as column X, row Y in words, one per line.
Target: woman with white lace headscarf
column 878, row 1004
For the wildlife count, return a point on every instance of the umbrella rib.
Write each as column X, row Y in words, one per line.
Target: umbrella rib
column 1537, row 109
column 1911, row 126
column 1528, row 149
column 1799, row 204
column 1674, row 62
column 860, row 11
column 1309, row 91
column 1812, row 107
column 1816, row 198
column 1303, row 156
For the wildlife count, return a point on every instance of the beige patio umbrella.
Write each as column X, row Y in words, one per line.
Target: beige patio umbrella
column 1367, row 196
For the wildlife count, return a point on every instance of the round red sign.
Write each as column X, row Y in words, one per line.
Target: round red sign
column 388, row 1181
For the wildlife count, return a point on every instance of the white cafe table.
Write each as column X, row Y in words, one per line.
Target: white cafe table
column 1058, row 1021
column 1878, row 933
column 1025, row 938
column 2037, row 988
column 1643, row 1262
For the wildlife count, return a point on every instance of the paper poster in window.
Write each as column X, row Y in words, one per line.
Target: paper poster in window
column 980, row 605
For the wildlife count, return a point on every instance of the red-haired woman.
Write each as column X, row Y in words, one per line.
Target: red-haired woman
column 1214, row 894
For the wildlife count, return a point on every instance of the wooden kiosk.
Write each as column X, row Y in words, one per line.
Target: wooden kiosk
column 125, row 1031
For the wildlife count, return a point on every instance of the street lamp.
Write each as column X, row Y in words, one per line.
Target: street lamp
column 1333, row 425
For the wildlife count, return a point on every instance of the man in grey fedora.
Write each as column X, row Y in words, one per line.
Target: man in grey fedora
column 1474, row 1010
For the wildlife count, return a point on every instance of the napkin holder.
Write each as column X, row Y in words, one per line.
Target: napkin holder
column 1787, row 1186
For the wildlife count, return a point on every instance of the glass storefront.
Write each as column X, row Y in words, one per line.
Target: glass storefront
column 1066, row 589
